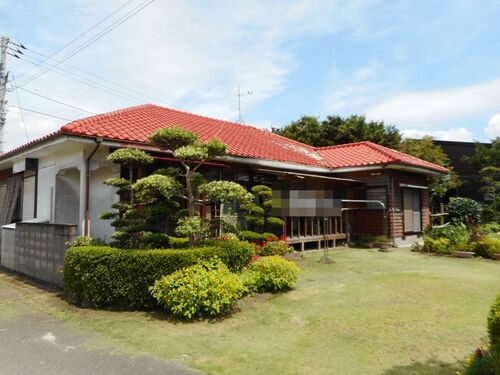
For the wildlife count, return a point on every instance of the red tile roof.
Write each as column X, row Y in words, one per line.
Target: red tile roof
column 368, row 153
column 136, row 123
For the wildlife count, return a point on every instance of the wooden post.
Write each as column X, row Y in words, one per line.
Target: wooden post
column 441, row 211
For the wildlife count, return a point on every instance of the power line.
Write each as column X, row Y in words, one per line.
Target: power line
column 92, row 75
column 91, row 28
column 20, row 110
column 93, row 84
column 40, row 113
column 96, row 37
column 52, row 99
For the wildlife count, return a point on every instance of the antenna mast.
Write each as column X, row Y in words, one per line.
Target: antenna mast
column 4, row 42
column 239, row 95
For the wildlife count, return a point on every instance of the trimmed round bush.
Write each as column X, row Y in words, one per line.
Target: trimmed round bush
column 274, row 248
column 107, row 276
column 494, row 332
column 153, row 240
column 205, row 289
column 271, row 274
column 248, row 235
column 464, row 210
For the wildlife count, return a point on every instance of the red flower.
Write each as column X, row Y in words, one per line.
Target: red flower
column 479, row 353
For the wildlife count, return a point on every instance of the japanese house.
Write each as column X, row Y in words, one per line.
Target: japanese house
column 59, row 178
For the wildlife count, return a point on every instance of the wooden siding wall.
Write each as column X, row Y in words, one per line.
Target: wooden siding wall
column 398, row 214
column 370, row 221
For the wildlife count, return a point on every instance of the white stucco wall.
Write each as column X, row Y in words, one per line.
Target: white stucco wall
column 72, row 162
column 48, row 167
column 101, row 196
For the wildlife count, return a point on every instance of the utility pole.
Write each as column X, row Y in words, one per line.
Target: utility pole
column 4, row 42
column 239, row 95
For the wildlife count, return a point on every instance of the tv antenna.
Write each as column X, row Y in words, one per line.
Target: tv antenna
column 239, row 94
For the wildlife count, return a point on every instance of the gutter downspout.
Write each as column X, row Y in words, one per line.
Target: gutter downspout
column 98, row 142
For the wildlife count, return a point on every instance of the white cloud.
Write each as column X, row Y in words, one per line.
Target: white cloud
column 355, row 90
column 453, row 134
column 428, row 108
column 189, row 55
column 493, row 128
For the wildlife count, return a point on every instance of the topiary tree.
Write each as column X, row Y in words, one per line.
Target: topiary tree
column 192, row 154
column 150, row 201
column 129, row 158
column 259, row 217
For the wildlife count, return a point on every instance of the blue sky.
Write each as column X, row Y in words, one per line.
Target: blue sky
column 428, row 67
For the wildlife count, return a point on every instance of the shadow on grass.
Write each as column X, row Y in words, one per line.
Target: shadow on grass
column 430, row 367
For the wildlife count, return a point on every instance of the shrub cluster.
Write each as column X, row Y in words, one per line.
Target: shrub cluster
column 271, row 274
column 440, row 245
column 487, row 247
column 205, row 289
column 459, row 237
column 274, row 248
column 106, row 276
column 248, row 235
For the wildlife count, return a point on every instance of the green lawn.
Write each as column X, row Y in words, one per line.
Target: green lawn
column 370, row 313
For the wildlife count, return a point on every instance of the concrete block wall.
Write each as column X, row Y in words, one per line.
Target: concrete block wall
column 37, row 250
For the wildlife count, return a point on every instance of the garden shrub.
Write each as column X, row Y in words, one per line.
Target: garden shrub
column 267, row 236
column 438, row 246
column 494, row 332
column 480, row 362
column 178, row 242
column 458, row 234
column 154, row 240
column 86, row 241
column 491, row 228
column 248, row 235
column 106, row 276
column 487, row 247
column 464, row 210
column 205, row 289
column 271, row 274
column 274, row 248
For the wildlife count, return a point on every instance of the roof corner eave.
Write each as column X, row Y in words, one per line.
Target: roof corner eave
column 399, row 167
column 411, row 168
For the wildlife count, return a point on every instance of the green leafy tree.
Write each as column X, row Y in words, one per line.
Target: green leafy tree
column 337, row 130
column 192, row 154
column 487, row 161
column 259, row 217
column 426, row 149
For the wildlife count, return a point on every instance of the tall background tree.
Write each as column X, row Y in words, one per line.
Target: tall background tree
column 487, row 162
column 336, row 130
column 426, row 149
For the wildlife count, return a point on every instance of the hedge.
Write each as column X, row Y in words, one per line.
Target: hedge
column 106, row 276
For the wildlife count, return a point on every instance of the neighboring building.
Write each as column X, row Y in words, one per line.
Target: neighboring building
column 59, row 178
column 456, row 151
